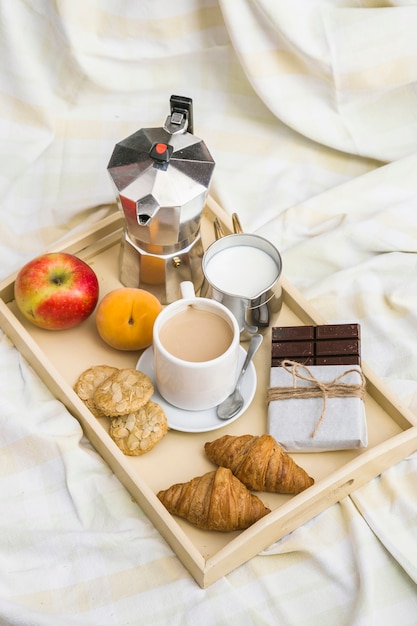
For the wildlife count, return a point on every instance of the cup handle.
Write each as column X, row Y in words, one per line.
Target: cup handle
column 187, row 289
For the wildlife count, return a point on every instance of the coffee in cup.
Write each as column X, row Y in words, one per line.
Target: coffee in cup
column 194, row 334
column 196, row 351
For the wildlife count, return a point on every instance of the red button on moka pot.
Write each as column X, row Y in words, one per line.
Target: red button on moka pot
column 161, row 152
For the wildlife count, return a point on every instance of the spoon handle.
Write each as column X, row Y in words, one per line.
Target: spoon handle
column 255, row 342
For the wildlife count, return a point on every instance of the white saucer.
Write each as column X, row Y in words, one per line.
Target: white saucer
column 198, row 421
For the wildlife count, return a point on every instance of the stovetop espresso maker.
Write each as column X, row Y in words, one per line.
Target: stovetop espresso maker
column 161, row 178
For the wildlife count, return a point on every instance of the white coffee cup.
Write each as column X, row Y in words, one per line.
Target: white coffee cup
column 195, row 351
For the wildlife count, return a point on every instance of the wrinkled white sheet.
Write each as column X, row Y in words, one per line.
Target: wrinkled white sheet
column 309, row 109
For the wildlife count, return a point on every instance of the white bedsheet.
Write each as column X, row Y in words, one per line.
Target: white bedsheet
column 310, row 110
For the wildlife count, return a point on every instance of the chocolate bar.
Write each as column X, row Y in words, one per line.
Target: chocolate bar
column 325, row 344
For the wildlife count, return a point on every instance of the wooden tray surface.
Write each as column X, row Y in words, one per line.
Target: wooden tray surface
column 59, row 357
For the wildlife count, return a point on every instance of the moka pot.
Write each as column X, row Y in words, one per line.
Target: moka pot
column 161, row 177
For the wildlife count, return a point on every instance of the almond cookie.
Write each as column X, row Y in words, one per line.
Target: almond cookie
column 125, row 391
column 87, row 383
column 140, row 431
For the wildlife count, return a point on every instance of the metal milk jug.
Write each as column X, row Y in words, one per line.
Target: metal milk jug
column 161, row 177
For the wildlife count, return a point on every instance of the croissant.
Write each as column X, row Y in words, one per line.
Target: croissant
column 259, row 462
column 215, row 501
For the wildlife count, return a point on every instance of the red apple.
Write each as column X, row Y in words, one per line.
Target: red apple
column 56, row 290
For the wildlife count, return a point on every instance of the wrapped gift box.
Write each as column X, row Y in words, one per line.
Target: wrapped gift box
column 320, row 423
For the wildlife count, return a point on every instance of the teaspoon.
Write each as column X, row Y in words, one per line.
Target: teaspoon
column 233, row 403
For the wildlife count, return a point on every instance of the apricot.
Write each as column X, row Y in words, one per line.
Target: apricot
column 125, row 318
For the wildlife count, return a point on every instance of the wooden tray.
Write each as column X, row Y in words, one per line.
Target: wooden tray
column 59, row 357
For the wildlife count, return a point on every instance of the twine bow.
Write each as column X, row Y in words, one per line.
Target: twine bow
column 318, row 389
